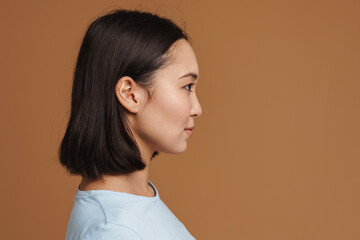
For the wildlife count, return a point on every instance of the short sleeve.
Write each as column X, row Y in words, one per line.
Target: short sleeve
column 109, row 231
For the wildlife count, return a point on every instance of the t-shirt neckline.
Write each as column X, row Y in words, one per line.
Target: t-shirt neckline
column 80, row 193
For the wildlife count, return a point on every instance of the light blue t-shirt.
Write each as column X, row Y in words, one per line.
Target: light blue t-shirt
column 105, row 214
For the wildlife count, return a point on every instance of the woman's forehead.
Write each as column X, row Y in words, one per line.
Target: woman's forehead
column 183, row 59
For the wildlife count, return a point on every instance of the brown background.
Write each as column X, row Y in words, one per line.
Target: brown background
column 275, row 154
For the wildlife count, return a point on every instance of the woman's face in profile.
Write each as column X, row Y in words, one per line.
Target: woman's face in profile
column 173, row 104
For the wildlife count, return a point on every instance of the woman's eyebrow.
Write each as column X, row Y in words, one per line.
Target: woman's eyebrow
column 193, row 75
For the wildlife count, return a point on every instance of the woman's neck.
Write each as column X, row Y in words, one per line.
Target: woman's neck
column 134, row 183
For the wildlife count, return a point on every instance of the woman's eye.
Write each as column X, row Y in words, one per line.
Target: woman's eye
column 189, row 85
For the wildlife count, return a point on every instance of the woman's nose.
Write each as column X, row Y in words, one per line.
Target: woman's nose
column 196, row 110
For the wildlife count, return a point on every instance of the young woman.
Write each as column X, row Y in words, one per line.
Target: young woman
column 133, row 96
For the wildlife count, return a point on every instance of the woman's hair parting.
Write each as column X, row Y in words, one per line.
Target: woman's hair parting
column 132, row 43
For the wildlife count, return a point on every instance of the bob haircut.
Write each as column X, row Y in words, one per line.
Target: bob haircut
column 131, row 43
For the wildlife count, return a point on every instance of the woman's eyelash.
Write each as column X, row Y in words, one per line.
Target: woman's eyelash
column 190, row 86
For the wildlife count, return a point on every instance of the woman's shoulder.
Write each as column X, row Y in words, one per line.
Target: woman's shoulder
column 108, row 211
column 105, row 213
column 112, row 231
column 101, row 215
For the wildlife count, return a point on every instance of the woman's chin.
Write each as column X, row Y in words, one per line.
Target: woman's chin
column 179, row 149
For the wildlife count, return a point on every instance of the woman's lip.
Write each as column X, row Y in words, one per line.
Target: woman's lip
column 189, row 131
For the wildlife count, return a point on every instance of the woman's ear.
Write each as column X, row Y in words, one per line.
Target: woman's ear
column 130, row 94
